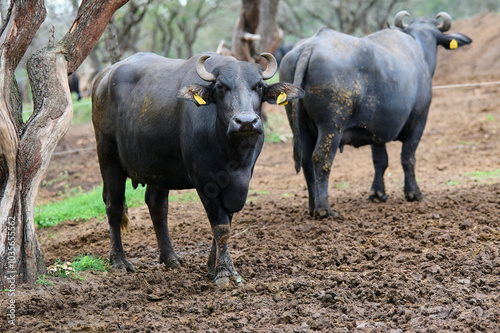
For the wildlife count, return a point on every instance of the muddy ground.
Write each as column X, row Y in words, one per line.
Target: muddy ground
column 429, row 266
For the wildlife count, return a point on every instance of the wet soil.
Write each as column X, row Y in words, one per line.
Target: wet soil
column 397, row 266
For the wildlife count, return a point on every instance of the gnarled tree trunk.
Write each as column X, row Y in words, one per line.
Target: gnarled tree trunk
column 26, row 148
column 245, row 31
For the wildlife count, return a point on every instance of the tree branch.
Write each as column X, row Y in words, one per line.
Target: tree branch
column 89, row 24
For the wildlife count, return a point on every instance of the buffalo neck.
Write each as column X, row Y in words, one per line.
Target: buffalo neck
column 428, row 46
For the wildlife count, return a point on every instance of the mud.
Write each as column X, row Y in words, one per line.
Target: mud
column 397, row 266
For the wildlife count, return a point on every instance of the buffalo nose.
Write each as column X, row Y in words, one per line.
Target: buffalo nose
column 246, row 122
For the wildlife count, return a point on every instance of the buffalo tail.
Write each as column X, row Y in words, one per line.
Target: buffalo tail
column 298, row 80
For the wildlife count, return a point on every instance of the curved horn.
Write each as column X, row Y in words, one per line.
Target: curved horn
column 446, row 25
column 272, row 66
column 202, row 71
column 398, row 20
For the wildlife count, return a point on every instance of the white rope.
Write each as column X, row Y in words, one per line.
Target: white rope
column 466, row 85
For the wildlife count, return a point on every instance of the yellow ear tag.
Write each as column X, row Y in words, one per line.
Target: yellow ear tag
column 453, row 44
column 200, row 100
column 282, row 99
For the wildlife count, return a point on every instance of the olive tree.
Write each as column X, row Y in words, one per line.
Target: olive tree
column 26, row 147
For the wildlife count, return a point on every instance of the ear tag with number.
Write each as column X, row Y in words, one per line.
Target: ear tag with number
column 453, row 44
column 282, row 99
column 199, row 100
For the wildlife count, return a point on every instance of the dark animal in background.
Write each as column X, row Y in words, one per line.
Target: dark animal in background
column 180, row 124
column 74, row 85
column 282, row 50
column 363, row 91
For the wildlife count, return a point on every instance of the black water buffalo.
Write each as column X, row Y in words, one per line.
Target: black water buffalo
column 74, row 85
column 149, row 128
column 362, row 91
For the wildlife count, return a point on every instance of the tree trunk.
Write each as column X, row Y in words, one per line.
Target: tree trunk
column 245, row 32
column 25, row 150
column 268, row 28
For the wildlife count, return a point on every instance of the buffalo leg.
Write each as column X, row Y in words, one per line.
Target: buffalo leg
column 408, row 161
column 157, row 201
column 220, row 265
column 308, row 142
column 322, row 157
column 114, row 198
column 380, row 163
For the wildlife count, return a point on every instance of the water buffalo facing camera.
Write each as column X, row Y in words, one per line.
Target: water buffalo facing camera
column 181, row 124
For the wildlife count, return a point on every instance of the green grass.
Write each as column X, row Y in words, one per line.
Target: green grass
column 277, row 128
column 481, row 177
column 42, row 279
column 81, row 206
column 89, row 262
column 73, row 270
column 82, row 110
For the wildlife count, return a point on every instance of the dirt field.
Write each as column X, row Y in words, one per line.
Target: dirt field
column 380, row 267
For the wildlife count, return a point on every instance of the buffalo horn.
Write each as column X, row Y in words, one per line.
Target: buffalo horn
column 272, row 66
column 446, row 25
column 398, row 20
column 202, row 71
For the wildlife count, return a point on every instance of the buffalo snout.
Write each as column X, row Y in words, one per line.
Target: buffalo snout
column 245, row 124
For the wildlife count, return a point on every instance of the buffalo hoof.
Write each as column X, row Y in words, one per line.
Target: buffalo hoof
column 120, row 262
column 172, row 261
column 415, row 196
column 377, row 196
column 324, row 213
column 225, row 281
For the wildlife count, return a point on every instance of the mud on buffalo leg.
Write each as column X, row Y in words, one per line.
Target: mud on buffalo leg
column 114, row 198
column 323, row 155
column 157, row 201
column 380, row 163
column 220, row 265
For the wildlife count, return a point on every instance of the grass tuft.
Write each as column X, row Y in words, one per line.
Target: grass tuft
column 89, row 262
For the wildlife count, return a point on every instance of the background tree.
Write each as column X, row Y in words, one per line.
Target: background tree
column 26, row 147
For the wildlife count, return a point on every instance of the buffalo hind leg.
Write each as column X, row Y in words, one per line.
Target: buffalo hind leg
column 408, row 161
column 380, row 163
column 322, row 158
column 308, row 142
column 157, row 201
column 114, row 198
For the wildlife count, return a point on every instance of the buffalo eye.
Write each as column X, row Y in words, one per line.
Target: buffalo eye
column 220, row 88
column 259, row 86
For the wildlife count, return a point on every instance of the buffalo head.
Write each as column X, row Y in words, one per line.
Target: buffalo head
column 421, row 26
column 238, row 89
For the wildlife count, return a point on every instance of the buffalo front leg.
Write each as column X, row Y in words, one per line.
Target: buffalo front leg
column 220, row 265
column 157, row 201
column 380, row 163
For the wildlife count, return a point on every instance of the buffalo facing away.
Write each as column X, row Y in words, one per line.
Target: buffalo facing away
column 180, row 124
column 362, row 91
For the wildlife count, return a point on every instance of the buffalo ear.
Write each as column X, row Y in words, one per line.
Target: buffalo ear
column 453, row 41
column 282, row 92
column 196, row 93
